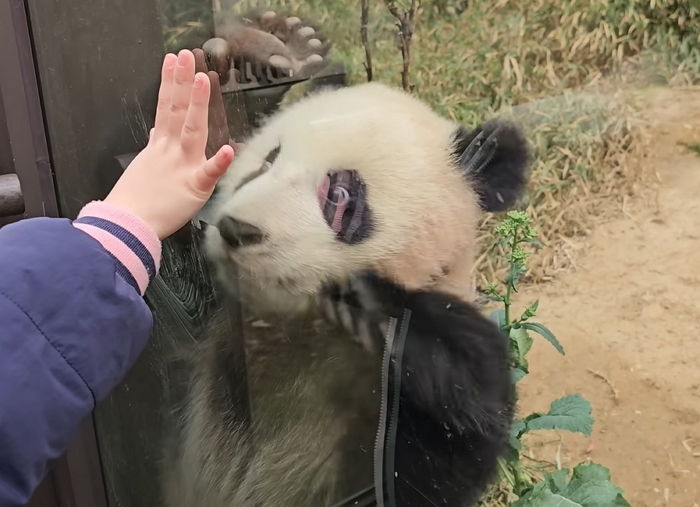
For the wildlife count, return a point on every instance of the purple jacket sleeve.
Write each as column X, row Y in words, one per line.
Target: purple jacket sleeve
column 70, row 328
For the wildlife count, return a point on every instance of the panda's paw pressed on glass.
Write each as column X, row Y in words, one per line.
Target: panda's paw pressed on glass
column 285, row 42
column 353, row 306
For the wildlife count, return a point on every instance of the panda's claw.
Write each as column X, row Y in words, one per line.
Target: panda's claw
column 302, row 48
column 480, row 152
column 350, row 306
column 306, row 31
column 281, row 62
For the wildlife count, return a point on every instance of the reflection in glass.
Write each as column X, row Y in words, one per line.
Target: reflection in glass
column 306, row 396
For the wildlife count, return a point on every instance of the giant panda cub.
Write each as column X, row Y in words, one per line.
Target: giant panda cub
column 346, row 227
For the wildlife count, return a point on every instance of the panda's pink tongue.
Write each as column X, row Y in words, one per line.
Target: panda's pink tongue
column 341, row 205
column 338, row 203
column 341, row 196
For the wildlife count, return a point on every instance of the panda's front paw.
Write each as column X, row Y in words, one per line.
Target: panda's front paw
column 285, row 42
column 352, row 306
column 305, row 47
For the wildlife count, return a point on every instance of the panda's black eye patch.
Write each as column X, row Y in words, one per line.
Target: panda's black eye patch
column 269, row 160
column 272, row 156
column 344, row 204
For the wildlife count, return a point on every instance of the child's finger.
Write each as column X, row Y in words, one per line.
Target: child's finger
column 184, row 76
column 206, row 177
column 194, row 131
column 164, row 94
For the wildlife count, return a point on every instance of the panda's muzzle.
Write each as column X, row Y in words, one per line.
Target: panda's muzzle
column 238, row 234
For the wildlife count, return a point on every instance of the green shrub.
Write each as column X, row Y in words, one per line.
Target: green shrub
column 589, row 484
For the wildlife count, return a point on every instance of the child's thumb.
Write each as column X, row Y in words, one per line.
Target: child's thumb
column 208, row 174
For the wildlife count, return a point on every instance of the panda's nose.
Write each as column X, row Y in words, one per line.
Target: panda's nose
column 238, row 234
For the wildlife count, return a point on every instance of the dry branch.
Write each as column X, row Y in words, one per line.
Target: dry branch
column 364, row 21
column 405, row 23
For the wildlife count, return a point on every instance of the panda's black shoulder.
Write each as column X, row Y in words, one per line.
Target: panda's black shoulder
column 472, row 342
column 457, row 398
column 454, row 324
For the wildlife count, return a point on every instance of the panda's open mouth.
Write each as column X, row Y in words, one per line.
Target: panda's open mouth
column 343, row 200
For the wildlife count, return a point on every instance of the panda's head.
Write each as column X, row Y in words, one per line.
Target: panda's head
column 360, row 178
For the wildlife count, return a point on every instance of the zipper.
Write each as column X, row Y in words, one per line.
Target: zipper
column 385, row 442
column 396, row 365
column 381, row 427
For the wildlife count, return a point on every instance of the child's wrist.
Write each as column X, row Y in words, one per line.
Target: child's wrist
column 127, row 237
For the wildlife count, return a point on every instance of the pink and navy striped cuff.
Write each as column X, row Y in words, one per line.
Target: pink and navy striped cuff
column 133, row 244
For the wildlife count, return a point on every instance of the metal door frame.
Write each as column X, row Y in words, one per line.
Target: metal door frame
column 26, row 132
column 75, row 480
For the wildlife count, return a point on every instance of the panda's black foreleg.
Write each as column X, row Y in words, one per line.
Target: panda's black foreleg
column 456, row 399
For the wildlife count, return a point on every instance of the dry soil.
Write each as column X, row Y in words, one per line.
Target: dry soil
column 629, row 319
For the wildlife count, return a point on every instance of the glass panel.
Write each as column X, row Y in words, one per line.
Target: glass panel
column 312, row 415
column 234, row 404
column 313, row 418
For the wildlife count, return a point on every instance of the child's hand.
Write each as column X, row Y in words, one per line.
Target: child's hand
column 171, row 179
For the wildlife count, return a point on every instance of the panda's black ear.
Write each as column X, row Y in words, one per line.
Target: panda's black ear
column 494, row 157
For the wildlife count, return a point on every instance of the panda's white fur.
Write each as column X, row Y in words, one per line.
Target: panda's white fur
column 314, row 391
column 425, row 214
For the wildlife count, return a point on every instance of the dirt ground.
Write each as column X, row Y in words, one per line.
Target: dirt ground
column 629, row 319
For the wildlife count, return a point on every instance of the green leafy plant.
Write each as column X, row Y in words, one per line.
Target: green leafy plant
column 587, row 485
